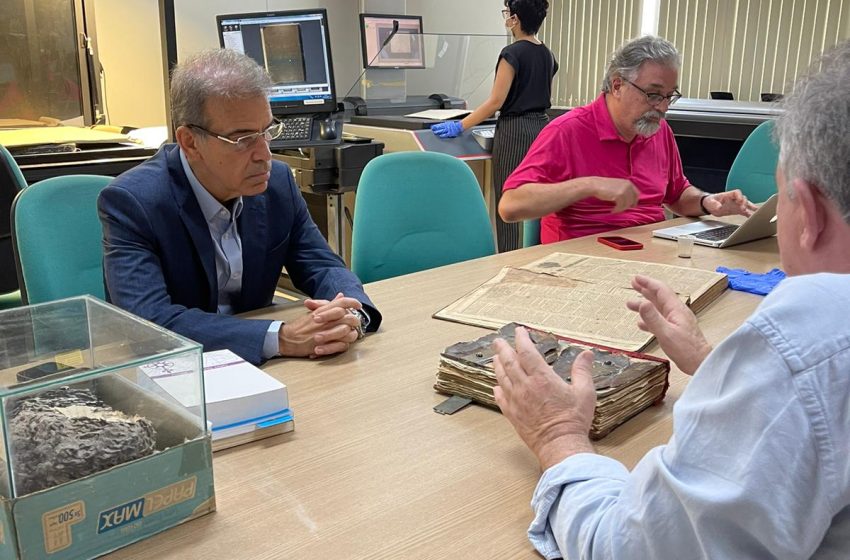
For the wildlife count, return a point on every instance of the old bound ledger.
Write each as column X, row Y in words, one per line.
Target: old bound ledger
column 626, row 382
column 578, row 296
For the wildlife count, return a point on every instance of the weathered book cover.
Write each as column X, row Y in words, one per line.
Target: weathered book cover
column 626, row 382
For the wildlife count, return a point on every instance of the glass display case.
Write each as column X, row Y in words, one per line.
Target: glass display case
column 76, row 396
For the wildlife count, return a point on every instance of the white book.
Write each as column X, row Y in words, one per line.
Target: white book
column 440, row 114
column 243, row 401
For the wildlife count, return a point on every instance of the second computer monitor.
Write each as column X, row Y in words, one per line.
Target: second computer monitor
column 403, row 49
column 295, row 48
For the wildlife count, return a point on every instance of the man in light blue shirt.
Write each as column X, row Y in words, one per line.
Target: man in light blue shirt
column 758, row 464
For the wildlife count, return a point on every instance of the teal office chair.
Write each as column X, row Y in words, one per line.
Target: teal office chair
column 11, row 183
column 754, row 168
column 531, row 233
column 415, row 211
column 57, row 238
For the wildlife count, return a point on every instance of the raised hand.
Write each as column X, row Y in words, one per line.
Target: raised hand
column 675, row 326
column 621, row 192
column 729, row 203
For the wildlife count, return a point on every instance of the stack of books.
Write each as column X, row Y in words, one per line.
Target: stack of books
column 626, row 382
column 243, row 403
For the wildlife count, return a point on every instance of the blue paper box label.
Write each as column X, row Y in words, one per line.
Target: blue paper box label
column 146, row 505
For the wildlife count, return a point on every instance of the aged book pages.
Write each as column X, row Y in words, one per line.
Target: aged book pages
column 579, row 297
column 625, row 383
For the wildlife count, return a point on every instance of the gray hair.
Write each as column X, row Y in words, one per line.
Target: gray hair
column 213, row 73
column 814, row 130
column 627, row 59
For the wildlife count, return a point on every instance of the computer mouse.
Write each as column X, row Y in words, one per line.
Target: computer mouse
column 327, row 129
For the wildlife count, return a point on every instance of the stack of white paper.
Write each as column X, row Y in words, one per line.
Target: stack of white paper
column 243, row 402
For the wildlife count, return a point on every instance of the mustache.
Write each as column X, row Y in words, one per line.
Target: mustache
column 653, row 114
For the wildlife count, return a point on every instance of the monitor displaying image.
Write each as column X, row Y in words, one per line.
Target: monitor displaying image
column 294, row 47
column 283, row 52
column 384, row 49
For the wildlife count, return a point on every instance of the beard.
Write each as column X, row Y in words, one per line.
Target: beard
column 649, row 123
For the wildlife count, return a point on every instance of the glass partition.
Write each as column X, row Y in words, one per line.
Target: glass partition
column 458, row 66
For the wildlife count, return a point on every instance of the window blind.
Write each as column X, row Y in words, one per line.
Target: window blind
column 750, row 47
column 583, row 34
column 746, row 47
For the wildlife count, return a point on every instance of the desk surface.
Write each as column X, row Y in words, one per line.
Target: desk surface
column 463, row 147
column 371, row 471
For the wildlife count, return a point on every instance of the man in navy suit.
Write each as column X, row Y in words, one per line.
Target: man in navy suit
column 202, row 229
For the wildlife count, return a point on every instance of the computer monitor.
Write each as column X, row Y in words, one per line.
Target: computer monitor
column 404, row 49
column 295, row 48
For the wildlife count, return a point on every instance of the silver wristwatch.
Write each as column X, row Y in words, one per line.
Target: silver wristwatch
column 364, row 322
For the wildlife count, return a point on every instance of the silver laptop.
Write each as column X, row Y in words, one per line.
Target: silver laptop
column 720, row 234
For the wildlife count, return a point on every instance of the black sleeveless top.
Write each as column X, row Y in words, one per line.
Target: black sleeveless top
column 534, row 66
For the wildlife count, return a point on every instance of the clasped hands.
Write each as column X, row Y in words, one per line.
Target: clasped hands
column 328, row 328
column 552, row 417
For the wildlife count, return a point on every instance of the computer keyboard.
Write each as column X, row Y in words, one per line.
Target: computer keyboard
column 717, row 234
column 296, row 128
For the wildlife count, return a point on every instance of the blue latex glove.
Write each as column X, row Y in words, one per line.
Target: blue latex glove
column 746, row 281
column 448, row 129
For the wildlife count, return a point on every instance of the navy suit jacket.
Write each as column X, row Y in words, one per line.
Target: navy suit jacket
column 159, row 260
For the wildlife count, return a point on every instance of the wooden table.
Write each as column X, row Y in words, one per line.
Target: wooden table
column 372, row 472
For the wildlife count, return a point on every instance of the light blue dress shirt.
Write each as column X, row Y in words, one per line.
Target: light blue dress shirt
column 228, row 251
column 758, row 466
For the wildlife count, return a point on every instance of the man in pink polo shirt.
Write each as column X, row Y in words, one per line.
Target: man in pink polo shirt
column 613, row 163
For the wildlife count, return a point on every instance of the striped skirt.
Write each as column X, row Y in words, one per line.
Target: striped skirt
column 513, row 137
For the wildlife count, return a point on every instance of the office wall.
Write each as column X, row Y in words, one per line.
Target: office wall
column 460, row 16
column 130, row 47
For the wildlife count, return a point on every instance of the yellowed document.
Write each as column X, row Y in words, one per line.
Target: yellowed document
column 579, row 297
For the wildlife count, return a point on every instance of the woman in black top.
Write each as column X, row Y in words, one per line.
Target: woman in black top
column 521, row 92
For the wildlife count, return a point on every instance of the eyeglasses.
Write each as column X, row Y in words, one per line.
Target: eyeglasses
column 656, row 99
column 244, row 143
column 506, row 13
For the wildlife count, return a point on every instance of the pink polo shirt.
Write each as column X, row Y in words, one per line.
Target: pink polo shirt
column 584, row 143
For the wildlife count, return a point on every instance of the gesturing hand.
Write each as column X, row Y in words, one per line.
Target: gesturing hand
column 328, row 328
column 621, row 192
column 675, row 326
column 552, row 417
column 729, row 203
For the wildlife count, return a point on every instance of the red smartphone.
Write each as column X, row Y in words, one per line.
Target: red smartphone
column 620, row 243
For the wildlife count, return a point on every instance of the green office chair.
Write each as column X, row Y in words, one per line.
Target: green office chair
column 531, row 233
column 415, row 211
column 754, row 168
column 11, row 183
column 57, row 238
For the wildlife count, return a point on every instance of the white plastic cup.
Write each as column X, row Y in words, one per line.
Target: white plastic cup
column 686, row 245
